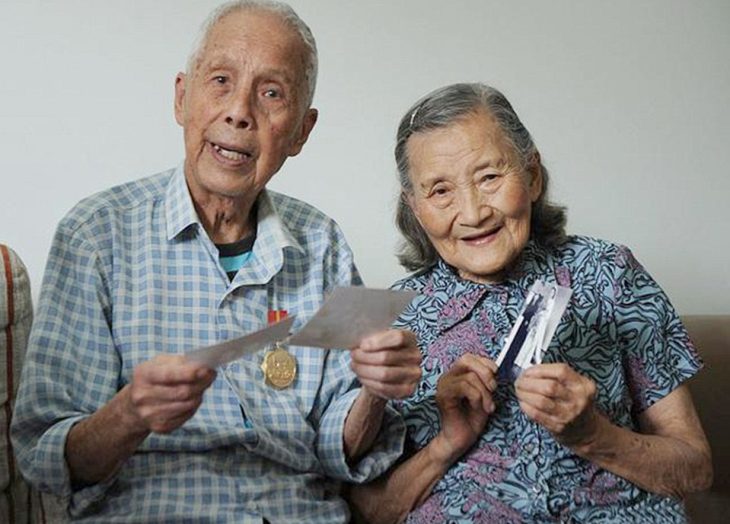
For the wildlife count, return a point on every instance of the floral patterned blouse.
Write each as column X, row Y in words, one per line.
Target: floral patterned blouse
column 619, row 329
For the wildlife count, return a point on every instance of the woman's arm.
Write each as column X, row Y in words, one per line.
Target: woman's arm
column 669, row 456
column 390, row 498
column 464, row 399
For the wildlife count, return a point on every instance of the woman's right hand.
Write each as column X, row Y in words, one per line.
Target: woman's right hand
column 464, row 399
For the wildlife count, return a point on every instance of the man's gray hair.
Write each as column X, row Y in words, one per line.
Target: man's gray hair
column 286, row 13
column 444, row 107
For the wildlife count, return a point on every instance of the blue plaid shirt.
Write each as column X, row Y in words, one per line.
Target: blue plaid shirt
column 132, row 274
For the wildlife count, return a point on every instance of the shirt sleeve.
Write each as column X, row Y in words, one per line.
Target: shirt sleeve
column 339, row 390
column 657, row 352
column 71, row 366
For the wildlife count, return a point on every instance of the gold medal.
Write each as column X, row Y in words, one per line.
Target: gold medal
column 279, row 367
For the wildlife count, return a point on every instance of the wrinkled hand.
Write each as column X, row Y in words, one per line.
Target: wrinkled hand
column 388, row 364
column 464, row 399
column 167, row 390
column 561, row 400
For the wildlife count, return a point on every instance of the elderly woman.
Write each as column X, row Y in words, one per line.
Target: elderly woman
column 604, row 430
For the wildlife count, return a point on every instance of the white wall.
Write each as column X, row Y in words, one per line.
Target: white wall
column 629, row 103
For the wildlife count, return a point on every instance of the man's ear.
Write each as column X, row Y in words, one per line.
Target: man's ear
column 180, row 98
column 308, row 121
column 534, row 170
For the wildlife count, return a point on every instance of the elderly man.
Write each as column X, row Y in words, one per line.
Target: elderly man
column 111, row 415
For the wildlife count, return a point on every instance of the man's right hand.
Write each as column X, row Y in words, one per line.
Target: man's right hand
column 166, row 391
column 464, row 399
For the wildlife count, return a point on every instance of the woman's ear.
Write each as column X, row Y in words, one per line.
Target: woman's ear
column 409, row 200
column 534, row 170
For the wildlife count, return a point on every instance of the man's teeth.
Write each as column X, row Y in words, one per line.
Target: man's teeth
column 227, row 153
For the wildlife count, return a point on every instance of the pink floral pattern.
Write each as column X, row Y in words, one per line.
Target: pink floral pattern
column 619, row 329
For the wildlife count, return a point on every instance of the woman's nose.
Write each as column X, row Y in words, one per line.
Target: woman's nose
column 473, row 208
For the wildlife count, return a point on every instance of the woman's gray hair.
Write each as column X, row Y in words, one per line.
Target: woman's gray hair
column 444, row 107
column 286, row 13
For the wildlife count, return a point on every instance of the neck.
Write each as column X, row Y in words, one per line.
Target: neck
column 225, row 219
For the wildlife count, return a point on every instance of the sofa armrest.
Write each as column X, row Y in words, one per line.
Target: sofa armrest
column 16, row 317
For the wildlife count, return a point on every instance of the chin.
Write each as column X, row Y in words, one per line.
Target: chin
column 488, row 271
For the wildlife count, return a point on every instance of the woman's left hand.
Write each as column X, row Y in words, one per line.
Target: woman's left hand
column 561, row 400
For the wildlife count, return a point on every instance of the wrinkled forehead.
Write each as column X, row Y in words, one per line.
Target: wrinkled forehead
column 475, row 136
column 255, row 36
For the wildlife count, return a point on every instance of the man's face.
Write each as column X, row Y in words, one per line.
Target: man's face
column 241, row 106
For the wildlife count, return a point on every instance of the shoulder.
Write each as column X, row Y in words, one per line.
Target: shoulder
column 584, row 252
column 312, row 229
column 97, row 210
column 299, row 216
column 416, row 281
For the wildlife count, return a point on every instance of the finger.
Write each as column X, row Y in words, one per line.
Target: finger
column 472, row 396
column 483, row 367
column 539, row 402
column 162, row 412
column 172, row 369
column 482, row 361
column 401, row 356
column 387, row 374
column 476, row 364
column 390, row 338
column 556, row 371
column 464, row 385
column 485, row 396
column 553, row 423
column 156, row 394
column 388, row 391
column 547, row 387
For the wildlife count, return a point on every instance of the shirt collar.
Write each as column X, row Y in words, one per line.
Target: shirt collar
column 271, row 226
column 180, row 214
column 272, row 238
column 179, row 209
column 463, row 296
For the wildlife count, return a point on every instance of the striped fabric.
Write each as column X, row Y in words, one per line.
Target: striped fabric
column 132, row 274
column 15, row 319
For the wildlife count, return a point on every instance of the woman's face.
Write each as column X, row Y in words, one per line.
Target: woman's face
column 472, row 196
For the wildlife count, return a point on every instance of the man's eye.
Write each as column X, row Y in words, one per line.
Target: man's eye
column 220, row 79
column 272, row 93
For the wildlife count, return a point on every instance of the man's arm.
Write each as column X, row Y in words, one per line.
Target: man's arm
column 164, row 393
column 388, row 365
column 670, row 456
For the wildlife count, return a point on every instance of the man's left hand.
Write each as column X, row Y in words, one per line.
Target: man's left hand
column 561, row 400
column 388, row 363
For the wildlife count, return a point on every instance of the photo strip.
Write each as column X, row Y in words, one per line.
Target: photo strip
column 532, row 331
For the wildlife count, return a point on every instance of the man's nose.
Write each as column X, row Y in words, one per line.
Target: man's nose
column 238, row 112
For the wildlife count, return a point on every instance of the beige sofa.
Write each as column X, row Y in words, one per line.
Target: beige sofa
column 711, row 335
column 16, row 315
column 18, row 503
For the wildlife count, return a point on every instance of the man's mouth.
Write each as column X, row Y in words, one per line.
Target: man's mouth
column 234, row 155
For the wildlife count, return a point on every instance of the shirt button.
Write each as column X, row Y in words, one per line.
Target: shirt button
column 529, row 447
column 536, row 489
